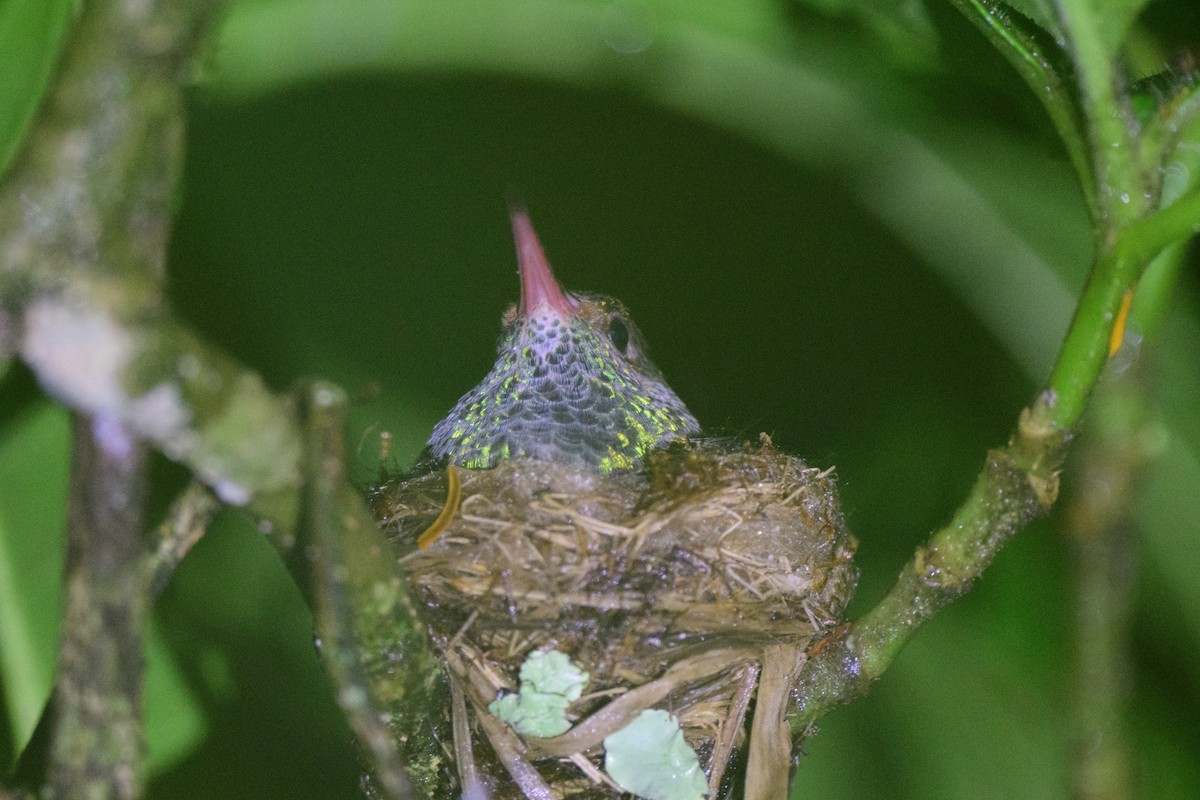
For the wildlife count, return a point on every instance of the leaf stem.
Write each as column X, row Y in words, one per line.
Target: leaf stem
column 1119, row 186
column 1028, row 58
column 1085, row 349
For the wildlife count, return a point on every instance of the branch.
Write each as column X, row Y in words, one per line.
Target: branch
column 188, row 518
column 1019, row 482
column 84, row 223
column 96, row 750
column 1117, row 270
column 373, row 643
column 1115, row 151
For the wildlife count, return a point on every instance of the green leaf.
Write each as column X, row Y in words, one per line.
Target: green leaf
column 1114, row 18
column 903, row 27
column 1040, row 11
column 175, row 721
column 33, row 471
column 1033, row 55
column 32, row 34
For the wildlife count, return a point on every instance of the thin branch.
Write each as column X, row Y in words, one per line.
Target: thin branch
column 1017, row 484
column 84, row 223
column 1117, row 270
column 1118, row 178
column 97, row 750
column 188, row 518
column 1101, row 535
column 1085, row 349
column 373, row 643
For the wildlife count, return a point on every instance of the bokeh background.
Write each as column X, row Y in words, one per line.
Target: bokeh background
column 843, row 223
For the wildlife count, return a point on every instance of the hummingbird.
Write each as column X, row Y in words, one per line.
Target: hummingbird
column 573, row 391
column 572, row 383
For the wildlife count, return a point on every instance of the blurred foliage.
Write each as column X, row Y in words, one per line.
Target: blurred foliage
column 845, row 223
column 31, row 34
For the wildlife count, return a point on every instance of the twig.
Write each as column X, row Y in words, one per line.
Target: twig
column 84, row 223
column 1017, row 484
column 374, row 646
column 1118, row 180
column 188, row 518
column 96, row 749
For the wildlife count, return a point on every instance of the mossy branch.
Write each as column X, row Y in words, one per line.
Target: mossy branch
column 96, row 751
column 83, row 226
column 374, row 646
column 84, row 222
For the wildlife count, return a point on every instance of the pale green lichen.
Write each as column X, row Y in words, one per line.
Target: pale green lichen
column 549, row 684
column 650, row 758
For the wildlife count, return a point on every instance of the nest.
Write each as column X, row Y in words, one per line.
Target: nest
column 695, row 586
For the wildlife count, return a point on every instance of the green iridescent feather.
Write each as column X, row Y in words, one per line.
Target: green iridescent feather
column 574, row 388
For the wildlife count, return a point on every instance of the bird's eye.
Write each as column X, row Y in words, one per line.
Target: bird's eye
column 618, row 332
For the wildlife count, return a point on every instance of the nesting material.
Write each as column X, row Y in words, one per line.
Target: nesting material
column 694, row 587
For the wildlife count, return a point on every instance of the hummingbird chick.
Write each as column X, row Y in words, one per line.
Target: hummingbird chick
column 572, row 383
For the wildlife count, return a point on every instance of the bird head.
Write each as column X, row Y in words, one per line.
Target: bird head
column 572, row 382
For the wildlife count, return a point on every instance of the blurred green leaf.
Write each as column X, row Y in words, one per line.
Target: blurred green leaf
column 1115, row 18
column 175, row 720
column 1038, row 59
column 1041, row 12
column 33, row 469
column 32, row 32
column 902, row 26
column 1171, row 137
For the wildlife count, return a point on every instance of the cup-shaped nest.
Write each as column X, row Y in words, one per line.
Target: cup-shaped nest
column 694, row 587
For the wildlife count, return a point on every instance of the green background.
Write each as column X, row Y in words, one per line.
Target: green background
column 846, row 224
